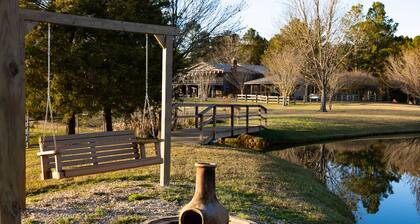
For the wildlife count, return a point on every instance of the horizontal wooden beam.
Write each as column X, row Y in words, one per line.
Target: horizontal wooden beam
column 96, row 23
column 176, row 105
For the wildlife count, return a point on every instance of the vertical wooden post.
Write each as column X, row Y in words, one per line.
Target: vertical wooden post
column 196, row 116
column 201, row 127
column 214, row 122
column 12, row 113
column 27, row 129
column 247, row 119
column 167, row 63
column 232, row 120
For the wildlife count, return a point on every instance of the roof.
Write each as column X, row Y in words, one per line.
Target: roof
column 261, row 81
column 206, row 67
column 256, row 68
column 227, row 68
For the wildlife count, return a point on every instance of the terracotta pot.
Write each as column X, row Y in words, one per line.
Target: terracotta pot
column 204, row 208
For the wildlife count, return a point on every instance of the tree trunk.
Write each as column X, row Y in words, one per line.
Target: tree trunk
column 108, row 118
column 284, row 99
column 71, row 124
column 323, row 100
column 330, row 100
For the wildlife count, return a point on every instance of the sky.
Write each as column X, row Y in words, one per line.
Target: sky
column 267, row 16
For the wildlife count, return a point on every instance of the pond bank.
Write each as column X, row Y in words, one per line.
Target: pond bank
column 303, row 124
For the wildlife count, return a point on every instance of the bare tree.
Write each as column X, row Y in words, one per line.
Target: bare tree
column 200, row 19
column 337, row 82
column 321, row 40
column 228, row 50
column 225, row 49
column 404, row 72
column 238, row 76
column 284, row 68
column 204, row 80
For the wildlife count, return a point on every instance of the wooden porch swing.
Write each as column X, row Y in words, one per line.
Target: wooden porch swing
column 84, row 154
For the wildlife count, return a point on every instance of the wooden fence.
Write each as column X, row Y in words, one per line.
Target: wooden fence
column 263, row 99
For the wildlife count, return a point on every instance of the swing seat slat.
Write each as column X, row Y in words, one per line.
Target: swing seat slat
column 93, row 153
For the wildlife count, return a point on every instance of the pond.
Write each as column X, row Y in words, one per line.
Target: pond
column 379, row 179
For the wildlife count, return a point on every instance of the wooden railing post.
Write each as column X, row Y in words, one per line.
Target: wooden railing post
column 247, row 118
column 232, row 120
column 27, row 130
column 265, row 119
column 196, row 116
column 260, row 114
column 214, row 123
column 201, row 127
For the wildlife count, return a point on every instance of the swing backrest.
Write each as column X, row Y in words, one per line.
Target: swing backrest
column 83, row 154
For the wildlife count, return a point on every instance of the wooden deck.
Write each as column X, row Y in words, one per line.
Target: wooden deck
column 209, row 122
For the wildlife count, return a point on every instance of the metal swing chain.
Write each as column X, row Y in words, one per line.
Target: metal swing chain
column 147, row 107
column 48, row 109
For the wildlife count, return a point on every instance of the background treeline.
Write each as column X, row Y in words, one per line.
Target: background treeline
column 332, row 50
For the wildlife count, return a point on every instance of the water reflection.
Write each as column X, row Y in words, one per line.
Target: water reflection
column 363, row 172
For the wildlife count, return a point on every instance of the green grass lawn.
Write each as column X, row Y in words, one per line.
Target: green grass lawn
column 250, row 184
column 302, row 124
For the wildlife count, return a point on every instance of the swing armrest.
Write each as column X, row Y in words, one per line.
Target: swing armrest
column 47, row 153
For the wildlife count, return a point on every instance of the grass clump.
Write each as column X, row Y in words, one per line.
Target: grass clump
column 129, row 219
column 66, row 220
column 140, row 197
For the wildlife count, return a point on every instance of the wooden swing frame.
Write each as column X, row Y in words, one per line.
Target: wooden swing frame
column 14, row 24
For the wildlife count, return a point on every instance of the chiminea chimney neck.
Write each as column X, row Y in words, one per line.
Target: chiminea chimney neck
column 205, row 184
column 204, row 207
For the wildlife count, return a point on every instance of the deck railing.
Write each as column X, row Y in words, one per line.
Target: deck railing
column 236, row 118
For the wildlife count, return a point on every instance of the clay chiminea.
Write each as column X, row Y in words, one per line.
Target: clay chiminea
column 204, row 208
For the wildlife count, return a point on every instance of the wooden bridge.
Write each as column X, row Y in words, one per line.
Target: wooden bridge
column 204, row 123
